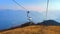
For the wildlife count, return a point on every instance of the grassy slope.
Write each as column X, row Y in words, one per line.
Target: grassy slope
column 34, row 30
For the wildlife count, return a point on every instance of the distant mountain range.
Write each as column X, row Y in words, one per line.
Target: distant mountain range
column 49, row 23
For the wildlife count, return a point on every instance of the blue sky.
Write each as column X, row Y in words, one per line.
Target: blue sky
column 38, row 5
column 29, row 4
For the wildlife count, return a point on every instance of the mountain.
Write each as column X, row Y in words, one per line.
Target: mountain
column 49, row 23
column 27, row 24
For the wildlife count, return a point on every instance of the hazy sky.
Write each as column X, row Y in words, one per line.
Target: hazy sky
column 38, row 5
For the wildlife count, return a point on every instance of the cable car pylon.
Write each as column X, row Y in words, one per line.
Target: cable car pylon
column 47, row 10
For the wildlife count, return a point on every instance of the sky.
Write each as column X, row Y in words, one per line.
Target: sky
column 28, row 4
column 37, row 5
column 34, row 5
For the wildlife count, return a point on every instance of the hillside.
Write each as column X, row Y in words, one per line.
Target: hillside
column 49, row 23
column 34, row 29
